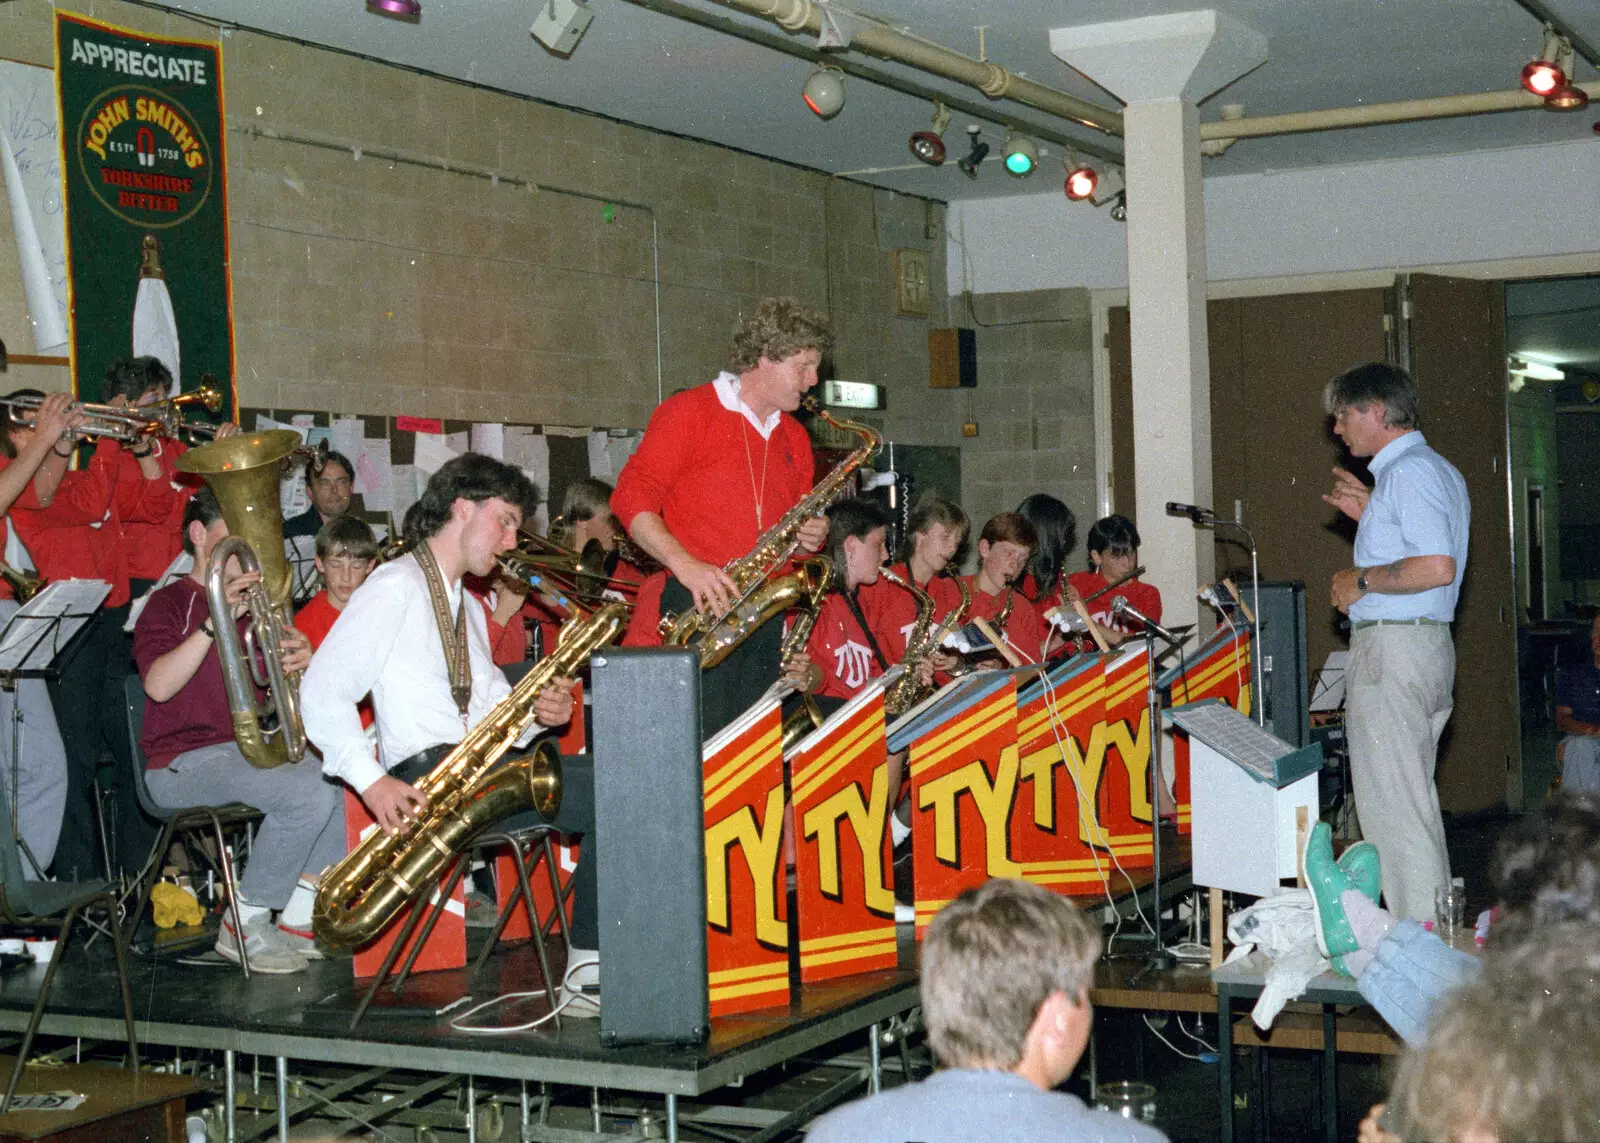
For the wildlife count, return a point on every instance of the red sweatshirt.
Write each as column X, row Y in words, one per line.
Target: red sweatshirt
column 1143, row 597
column 701, row 466
column 891, row 610
column 840, row 648
column 151, row 547
column 80, row 535
column 1023, row 629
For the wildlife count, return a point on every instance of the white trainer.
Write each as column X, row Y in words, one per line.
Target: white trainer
column 269, row 953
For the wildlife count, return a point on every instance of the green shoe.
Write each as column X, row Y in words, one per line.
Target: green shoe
column 1360, row 864
column 1327, row 883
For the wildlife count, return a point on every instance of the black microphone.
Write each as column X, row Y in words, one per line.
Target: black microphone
column 1196, row 513
column 1120, row 606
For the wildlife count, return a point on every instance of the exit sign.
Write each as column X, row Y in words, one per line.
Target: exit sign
column 852, row 395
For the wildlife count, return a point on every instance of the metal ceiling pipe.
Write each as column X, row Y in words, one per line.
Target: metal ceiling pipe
column 1403, row 111
column 993, row 80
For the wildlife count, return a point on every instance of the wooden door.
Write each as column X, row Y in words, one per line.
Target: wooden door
column 1458, row 357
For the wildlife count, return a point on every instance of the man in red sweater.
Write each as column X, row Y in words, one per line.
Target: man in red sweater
column 76, row 533
column 719, row 464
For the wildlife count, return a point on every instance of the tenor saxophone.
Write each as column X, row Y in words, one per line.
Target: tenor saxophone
column 759, row 593
column 467, row 793
column 925, row 638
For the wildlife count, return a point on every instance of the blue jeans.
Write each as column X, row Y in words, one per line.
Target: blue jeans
column 1411, row 971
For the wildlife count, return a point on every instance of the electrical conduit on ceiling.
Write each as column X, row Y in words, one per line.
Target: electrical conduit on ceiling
column 887, row 43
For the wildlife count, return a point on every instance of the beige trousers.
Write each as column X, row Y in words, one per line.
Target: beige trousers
column 1397, row 700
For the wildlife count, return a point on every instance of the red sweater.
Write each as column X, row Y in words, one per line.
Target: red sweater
column 314, row 621
column 839, row 647
column 891, row 610
column 152, row 546
column 699, row 467
column 1142, row 596
column 80, row 535
column 1023, row 629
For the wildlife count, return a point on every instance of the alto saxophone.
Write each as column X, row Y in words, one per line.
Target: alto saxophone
column 467, row 793
column 808, row 715
column 925, row 638
column 24, row 584
column 760, row 595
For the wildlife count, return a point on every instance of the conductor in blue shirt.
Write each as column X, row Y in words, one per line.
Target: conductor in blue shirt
column 1006, row 969
column 1410, row 556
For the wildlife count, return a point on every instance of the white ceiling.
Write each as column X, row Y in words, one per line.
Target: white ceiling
column 644, row 67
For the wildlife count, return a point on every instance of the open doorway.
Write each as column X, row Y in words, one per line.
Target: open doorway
column 1553, row 401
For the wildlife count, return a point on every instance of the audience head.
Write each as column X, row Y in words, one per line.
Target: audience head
column 1113, row 547
column 1006, row 969
column 1512, row 1056
column 934, row 533
column 331, row 485
column 1546, row 869
column 482, row 500
column 1005, row 546
column 347, row 551
column 778, row 329
column 139, row 380
column 856, row 541
column 1057, row 531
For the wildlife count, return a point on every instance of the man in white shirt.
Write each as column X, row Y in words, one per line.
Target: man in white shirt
column 1411, row 556
column 421, row 650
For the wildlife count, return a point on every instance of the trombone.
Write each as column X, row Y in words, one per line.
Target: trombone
column 576, row 581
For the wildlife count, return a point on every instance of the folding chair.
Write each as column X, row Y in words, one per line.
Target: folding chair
column 214, row 821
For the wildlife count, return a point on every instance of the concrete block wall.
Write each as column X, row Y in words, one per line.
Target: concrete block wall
column 1034, row 403
column 363, row 286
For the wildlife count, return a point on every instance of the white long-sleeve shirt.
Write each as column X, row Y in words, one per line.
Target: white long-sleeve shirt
column 386, row 641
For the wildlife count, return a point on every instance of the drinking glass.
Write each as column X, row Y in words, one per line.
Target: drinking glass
column 1449, row 910
column 1127, row 1098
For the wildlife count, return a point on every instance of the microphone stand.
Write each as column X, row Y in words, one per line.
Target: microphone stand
column 1205, row 518
column 1159, row 959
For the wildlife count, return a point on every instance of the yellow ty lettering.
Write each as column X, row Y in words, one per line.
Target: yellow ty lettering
column 760, row 845
column 867, row 821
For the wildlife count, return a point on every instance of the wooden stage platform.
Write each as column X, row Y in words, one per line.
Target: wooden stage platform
column 305, row 1017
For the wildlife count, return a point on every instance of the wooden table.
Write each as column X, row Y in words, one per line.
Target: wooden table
column 128, row 1107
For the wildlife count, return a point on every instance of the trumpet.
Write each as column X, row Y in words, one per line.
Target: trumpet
column 126, row 425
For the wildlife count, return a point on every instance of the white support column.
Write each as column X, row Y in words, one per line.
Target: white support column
column 1162, row 66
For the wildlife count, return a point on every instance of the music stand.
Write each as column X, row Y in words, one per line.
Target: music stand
column 30, row 643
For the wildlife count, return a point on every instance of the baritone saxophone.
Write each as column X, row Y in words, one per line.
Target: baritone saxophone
column 467, row 793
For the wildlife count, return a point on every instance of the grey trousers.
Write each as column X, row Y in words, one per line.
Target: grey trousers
column 1397, row 701
column 1580, row 772
column 302, row 828
column 40, row 765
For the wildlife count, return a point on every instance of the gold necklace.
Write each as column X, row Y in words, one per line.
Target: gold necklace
column 760, row 494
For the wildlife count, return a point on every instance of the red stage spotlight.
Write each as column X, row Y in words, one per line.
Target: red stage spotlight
column 1081, row 182
column 928, row 147
column 1568, row 98
column 1543, row 77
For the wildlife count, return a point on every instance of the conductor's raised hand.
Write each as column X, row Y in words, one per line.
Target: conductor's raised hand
column 554, row 705
column 392, row 802
column 813, row 534
column 712, row 588
column 1349, row 495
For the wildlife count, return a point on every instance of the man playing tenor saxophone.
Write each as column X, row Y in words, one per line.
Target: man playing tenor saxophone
column 719, row 464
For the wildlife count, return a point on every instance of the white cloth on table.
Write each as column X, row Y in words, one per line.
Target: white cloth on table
column 1284, row 929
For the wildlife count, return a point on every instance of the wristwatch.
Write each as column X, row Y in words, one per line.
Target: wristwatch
column 1361, row 580
column 208, row 628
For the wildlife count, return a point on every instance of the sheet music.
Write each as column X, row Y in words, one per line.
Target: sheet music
column 48, row 622
column 301, row 554
column 1328, row 694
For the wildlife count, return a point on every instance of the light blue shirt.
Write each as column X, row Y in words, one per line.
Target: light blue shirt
column 1419, row 507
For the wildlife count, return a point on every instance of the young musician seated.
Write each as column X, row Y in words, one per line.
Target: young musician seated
column 1004, row 547
column 935, row 533
column 1045, row 582
column 347, row 551
column 1006, row 970
column 191, row 758
column 1113, row 545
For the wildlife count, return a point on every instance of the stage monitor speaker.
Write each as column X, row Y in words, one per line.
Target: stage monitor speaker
column 1285, row 675
column 650, row 814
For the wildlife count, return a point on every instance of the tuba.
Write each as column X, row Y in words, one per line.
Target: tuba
column 925, row 638
column 467, row 793
column 242, row 472
column 760, row 595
